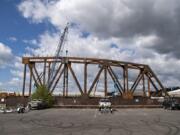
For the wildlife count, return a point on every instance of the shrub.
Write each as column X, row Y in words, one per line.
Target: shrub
column 42, row 93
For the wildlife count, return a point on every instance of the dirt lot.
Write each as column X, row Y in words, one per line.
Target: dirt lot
column 91, row 122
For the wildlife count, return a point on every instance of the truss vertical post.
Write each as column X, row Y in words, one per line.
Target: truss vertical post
column 127, row 79
column 124, row 80
column 64, row 80
column 85, row 78
column 143, row 79
column 24, row 80
column 105, row 81
column 49, row 68
column 44, row 73
column 66, row 83
column 125, row 75
column 149, row 88
column 30, row 83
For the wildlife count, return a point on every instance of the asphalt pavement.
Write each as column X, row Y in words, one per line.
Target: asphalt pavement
column 91, row 122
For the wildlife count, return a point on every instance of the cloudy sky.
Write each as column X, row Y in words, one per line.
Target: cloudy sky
column 143, row 31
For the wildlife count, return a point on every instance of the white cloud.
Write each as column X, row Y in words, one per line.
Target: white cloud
column 79, row 46
column 88, row 13
column 107, row 18
column 14, row 63
column 30, row 42
column 15, row 83
column 34, row 8
column 133, row 26
column 145, row 41
column 6, row 55
column 94, row 47
column 13, row 39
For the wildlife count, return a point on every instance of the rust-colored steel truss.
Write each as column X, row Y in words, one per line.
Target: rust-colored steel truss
column 106, row 67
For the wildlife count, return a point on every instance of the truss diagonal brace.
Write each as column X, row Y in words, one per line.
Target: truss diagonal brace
column 139, row 79
column 39, row 79
column 54, row 77
column 135, row 84
column 159, row 82
column 152, row 82
column 31, row 70
column 115, row 80
column 95, row 80
column 74, row 76
column 57, row 80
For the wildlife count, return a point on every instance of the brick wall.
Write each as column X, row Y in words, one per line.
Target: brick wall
column 95, row 100
column 13, row 101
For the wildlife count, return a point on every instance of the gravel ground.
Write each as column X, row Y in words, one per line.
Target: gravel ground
column 91, row 122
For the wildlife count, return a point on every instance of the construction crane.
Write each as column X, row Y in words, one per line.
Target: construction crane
column 57, row 55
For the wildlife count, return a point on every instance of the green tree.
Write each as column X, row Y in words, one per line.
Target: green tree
column 42, row 93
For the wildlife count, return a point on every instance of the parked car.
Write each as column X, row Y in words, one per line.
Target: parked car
column 21, row 109
column 105, row 105
column 171, row 103
column 37, row 104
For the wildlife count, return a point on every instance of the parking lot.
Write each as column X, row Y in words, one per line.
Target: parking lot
column 91, row 122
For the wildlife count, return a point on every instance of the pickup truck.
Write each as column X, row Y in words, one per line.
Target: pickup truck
column 104, row 105
column 37, row 104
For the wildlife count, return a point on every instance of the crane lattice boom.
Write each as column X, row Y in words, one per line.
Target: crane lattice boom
column 57, row 54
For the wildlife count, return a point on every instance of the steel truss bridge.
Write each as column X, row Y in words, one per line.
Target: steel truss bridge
column 145, row 77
